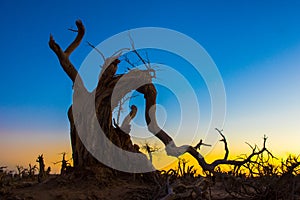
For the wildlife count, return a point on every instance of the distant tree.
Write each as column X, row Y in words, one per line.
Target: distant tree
column 20, row 170
column 48, row 170
column 150, row 150
column 65, row 165
column 42, row 173
column 31, row 170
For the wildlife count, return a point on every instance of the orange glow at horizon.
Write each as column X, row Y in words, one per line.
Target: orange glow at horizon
column 23, row 149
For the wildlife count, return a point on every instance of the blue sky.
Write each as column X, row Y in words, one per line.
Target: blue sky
column 255, row 45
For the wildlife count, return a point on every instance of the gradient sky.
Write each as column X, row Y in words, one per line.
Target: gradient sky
column 255, row 45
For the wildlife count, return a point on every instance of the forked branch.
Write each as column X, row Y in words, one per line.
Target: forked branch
column 63, row 56
column 225, row 143
column 76, row 42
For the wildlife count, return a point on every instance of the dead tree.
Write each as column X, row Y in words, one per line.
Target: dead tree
column 20, row 170
column 42, row 173
column 31, row 170
column 104, row 105
column 65, row 165
column 150, row 150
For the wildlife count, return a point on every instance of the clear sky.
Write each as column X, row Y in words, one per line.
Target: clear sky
column 255, row 45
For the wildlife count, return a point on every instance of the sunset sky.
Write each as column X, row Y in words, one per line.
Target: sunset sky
column 255, row 45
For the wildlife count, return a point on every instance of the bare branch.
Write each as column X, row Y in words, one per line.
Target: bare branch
column 198, row 146
column 147, row 64
column 126, row 123
column 225, row 144
column 63, row 56
column 129, row 62
column 76, row 42
column 73, row 30
column 97, row 50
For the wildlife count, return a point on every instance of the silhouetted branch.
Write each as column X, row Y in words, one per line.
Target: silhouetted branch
column 63, row 56
column 76, row 42
column 97, row 50
column 73, row 30
column 225, row 144
column 198, row 146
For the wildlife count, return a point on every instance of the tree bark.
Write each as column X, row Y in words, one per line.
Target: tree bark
column 81, row 156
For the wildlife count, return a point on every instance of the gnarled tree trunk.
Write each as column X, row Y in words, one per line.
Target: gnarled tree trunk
column 102, row 94
column 102, row 102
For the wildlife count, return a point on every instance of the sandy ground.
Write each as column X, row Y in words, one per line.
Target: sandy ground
column 86, row 186
column 55, row 188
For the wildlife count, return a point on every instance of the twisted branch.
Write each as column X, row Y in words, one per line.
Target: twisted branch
column 63, row 56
